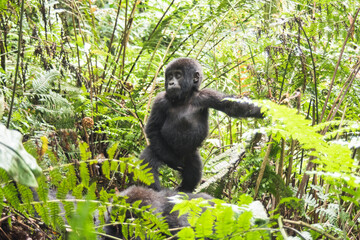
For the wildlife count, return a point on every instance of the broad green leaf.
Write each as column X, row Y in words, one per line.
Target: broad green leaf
column 16, row 161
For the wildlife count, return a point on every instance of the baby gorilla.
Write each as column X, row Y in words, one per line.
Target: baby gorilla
column 159, row 202
column 178, row 122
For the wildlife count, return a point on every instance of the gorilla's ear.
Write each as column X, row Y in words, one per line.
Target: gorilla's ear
column 196, row 77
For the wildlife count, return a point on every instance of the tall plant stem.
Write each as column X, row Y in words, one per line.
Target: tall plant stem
column 111, row 40
column 262, row 168
column 285, row 71
column 314, row 68
column 338, row 63
column 291, row 159
column 17, row 62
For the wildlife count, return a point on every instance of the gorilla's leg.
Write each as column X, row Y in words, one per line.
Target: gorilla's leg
column 191, row 174
column 149, row 157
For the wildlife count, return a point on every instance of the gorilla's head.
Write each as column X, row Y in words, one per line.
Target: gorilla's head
column 183, row 76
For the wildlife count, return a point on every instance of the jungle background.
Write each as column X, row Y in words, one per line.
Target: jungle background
column 77, row 81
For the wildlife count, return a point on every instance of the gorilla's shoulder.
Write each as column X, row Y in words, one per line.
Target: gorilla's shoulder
column 160, row 98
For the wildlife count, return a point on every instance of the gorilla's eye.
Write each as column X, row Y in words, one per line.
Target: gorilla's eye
column 170, row 76
column 178, row 75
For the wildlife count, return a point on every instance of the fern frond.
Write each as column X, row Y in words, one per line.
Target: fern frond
column 105, row 167
column 53, row 101
column 43, row 189
column 56, row 219
column 71, row 178
column 331, row 212
column 55, row 176
column 78, row 191
column 43, row 212
column 310, row 200
column 91, row 195
column 42, row 83
column 27, row 197
column 221, row 165
column 84, row 174
column 11, row 195
column 62, row 190
column 69, row 208
column 85, row 153
column 111, row 150
column 287, row 123
column 4, row 177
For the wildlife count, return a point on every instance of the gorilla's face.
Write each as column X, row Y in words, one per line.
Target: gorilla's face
column 174, row 84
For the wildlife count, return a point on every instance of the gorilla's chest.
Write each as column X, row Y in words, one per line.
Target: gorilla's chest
column 185, row 127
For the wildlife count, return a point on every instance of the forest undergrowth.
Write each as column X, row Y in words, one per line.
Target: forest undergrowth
column 77, row 80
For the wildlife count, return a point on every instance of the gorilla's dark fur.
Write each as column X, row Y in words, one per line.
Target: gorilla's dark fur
column 178, row 122
column 159, row 202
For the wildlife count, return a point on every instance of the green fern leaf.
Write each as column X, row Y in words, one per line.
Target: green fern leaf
column 186, row 233
column 205, row 224
column 114, row 166
column 62, row 189
column 43, row 83
column 106, row 169
column 225, row 223
column 4, row 177
column 11, row 195
column 78, row 191
column 43, row 188
column 55, row 176
column 91, row 195
column 71, row 178
column 43, row 212
column 111, row 151
column 69, row 208
column 1, row 202
column 27, row 197
column 243, row 222
column 56, row 220
column 85, row 154
column 104, row 195
column 84, row 174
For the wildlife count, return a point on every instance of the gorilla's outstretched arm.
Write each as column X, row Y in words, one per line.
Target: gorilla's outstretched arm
column 234, row 107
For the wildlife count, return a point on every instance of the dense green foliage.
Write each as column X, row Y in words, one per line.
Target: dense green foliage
column 77, row 79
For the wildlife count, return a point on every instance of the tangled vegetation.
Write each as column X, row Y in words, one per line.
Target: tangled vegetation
column 77, row 79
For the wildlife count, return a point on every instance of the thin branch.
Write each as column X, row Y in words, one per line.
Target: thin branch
column 17, row 62
column 343, row 93
column 285, row 71
column 304, row 224
column 314, row 68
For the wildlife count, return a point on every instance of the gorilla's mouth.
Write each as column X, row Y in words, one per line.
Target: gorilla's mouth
column 174, row 92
